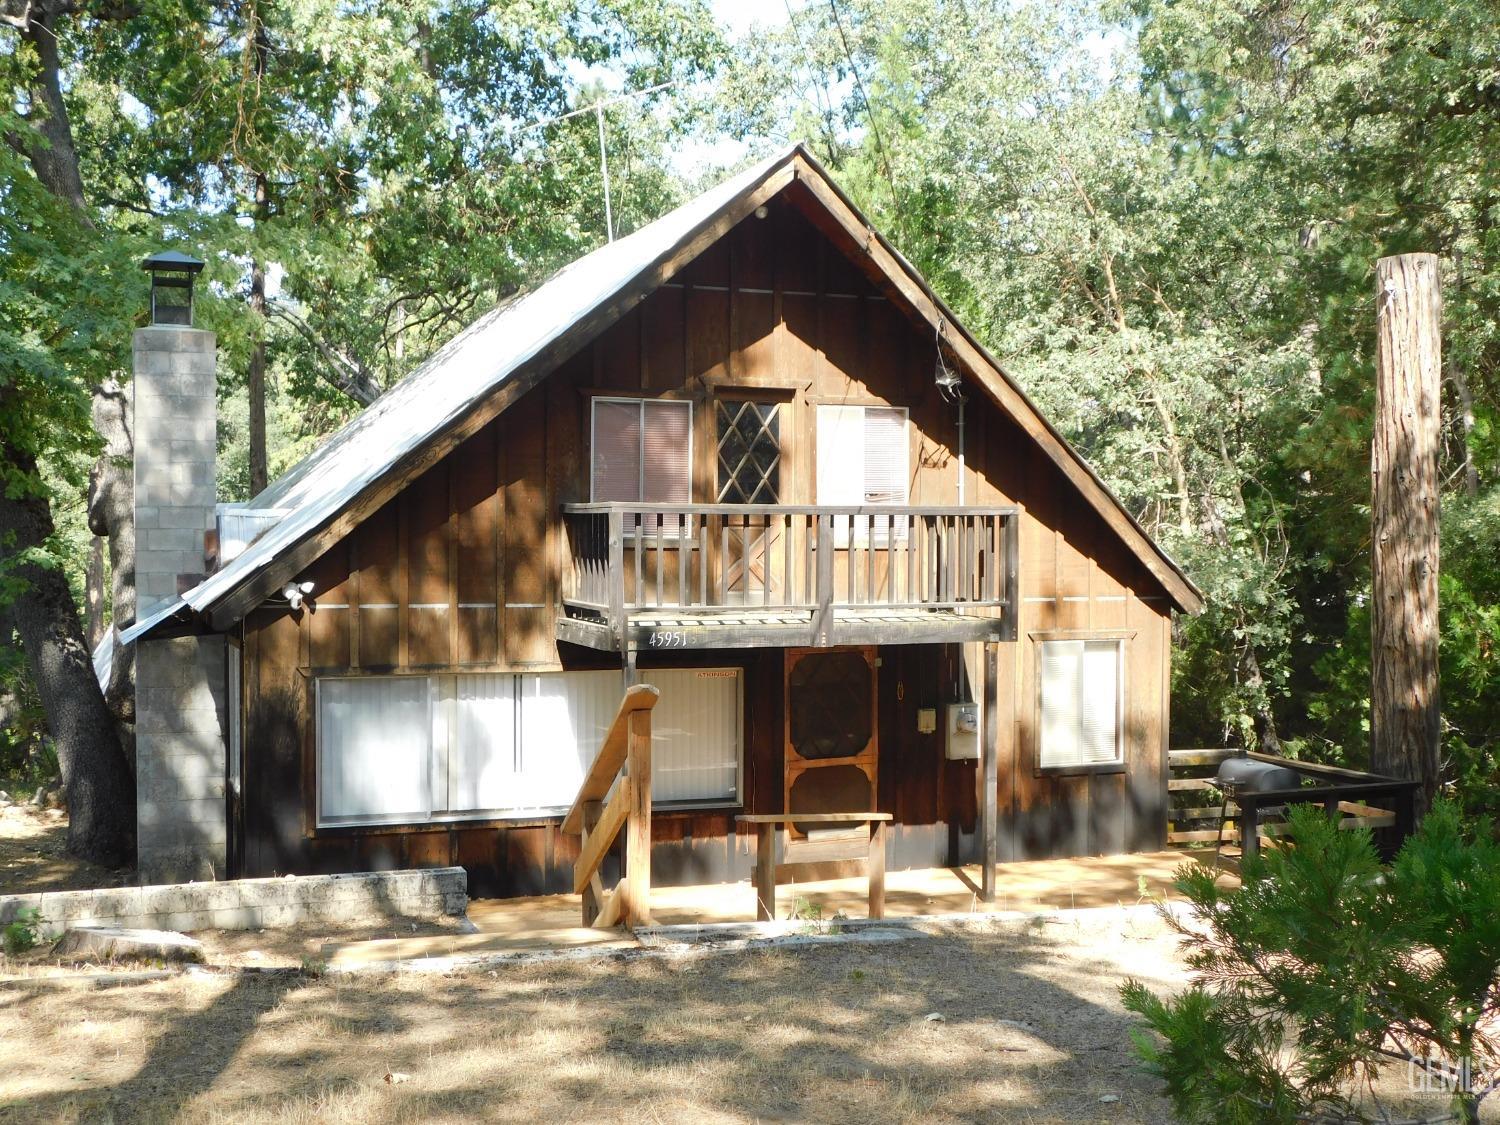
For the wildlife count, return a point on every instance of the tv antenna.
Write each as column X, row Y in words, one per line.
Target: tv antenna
column 597, row 109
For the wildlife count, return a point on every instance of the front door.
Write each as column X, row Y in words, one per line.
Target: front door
column 832, row 741
column 748, row 435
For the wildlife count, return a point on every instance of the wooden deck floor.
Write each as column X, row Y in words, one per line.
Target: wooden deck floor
column 552, row 921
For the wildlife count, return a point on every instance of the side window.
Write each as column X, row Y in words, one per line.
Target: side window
column 641, row 451
column 1080, row 703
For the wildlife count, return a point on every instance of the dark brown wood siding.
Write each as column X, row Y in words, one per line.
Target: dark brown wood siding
column 461, row 571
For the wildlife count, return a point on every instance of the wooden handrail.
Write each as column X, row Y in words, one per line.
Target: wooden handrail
column 626, row 507
column 601, row 775
column 611, row 819
column 626, row 744
column 815, row 560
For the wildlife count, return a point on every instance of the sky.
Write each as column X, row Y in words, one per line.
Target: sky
column 739, row 16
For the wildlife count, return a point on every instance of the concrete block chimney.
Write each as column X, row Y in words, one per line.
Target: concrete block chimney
column 181, row 831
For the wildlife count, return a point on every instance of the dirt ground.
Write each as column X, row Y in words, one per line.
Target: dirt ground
column 1031, row 1029
column 33, row 856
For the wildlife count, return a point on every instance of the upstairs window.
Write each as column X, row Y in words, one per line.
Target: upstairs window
column 1080, row 690
column 641, row 451
column 863, row 459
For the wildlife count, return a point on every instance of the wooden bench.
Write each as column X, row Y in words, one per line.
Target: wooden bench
column 766, row 868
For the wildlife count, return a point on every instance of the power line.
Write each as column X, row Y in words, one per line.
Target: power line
column 864, row 97
column 824, row 106
column 605, row 104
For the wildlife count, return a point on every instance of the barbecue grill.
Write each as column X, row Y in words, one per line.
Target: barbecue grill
column 1242, row 775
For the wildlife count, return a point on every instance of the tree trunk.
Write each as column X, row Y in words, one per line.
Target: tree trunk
column 1460, row 381
column 97, row 784
column 256, row 381
column 260, row 43
column 111, row 514
column 51, row 154
column 93, row 592
column 1404, row 700
column 99, row 790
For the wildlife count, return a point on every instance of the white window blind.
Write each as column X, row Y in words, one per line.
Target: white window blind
column 1080, row 690
column 642, row 451
column 885, row 456
column 564, row 717
column 484, row 768
column 616, row 471
column 397, row 749
column 695, row 734
column 374, row 749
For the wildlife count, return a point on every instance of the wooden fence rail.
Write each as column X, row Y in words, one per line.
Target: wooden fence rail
column 1358, row 799
column 627, row 745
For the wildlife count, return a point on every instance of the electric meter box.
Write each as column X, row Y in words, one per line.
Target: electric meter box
column 963, row 732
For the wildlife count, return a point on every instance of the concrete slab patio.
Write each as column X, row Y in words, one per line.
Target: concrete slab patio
column 553, row 921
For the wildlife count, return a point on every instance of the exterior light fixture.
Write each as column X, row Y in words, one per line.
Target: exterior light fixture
column 944, row 376
column 172, row 287
column 296, row 593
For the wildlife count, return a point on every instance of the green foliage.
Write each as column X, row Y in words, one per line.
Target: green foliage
column 1163, row 215
column 28, row 758
column 22, row 934
column 1325, row 967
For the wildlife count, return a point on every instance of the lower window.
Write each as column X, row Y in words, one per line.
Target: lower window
column 1080, row 704
column 406, row 749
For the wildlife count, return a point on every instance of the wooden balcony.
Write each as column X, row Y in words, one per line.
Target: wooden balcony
column 651, row 576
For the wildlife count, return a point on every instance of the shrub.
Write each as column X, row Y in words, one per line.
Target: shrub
column 22, row 934
column 1325, row 967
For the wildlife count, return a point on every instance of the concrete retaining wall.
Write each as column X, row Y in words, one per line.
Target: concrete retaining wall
column 253, row 904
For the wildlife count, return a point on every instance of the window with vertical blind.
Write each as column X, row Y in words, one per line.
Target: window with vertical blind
column 641, row 451
column 1080, row 703
column 863, row 458
column 408, row 749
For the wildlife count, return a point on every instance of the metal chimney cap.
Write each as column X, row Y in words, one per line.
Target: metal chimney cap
column 172, row 260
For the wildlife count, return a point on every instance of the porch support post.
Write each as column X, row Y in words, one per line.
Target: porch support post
column 765, row 873
column 875, row 869
column 989, row 753
column 637, row 883
column 593, row 898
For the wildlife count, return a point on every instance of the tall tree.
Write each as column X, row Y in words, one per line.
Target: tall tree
column 51, row 313
column 379, row 159
column 1404, row 716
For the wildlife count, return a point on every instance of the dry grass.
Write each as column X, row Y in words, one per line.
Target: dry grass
column 1032, row 1031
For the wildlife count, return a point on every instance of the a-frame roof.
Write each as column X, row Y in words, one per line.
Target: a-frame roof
column 509, row 350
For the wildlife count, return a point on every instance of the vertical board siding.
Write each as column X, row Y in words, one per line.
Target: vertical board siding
column 462, row 570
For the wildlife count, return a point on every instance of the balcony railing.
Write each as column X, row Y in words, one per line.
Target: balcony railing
column 701, row 559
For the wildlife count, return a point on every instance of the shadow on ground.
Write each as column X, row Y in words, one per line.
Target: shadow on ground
column 1030, row 1029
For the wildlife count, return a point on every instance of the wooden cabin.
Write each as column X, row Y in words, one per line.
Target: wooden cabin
column 747, row 456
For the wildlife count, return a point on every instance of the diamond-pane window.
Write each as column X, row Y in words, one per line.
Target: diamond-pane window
column 749, row 450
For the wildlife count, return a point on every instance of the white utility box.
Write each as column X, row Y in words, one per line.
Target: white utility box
column 963, row 732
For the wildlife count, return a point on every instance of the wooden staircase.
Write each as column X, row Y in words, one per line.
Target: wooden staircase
column 627, row 747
